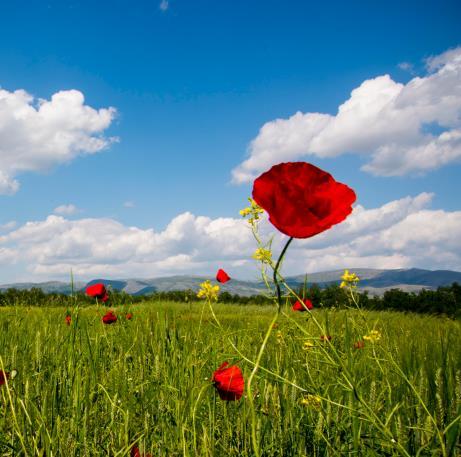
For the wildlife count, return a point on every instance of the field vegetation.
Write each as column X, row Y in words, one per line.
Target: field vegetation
column 92, row 389
column 444, row 300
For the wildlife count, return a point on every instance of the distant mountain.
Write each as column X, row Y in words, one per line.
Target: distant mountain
column 376, row 281
column 326, row 278
column 58, row 287
column 373, row 280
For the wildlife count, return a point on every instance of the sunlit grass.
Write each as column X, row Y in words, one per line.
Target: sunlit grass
column 94, row 389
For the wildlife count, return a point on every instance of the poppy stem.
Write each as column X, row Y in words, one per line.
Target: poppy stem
column 276, row 269
column 254, row 437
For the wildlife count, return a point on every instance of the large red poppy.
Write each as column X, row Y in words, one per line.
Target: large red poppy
column 298, row 306
column 301, row 199
column 98, row 291
column 222, row 276
column 229, row 382
column 109, row 318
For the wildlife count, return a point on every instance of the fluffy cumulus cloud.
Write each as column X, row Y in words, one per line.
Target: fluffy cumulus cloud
column 402, row 233
column 398, row 128
column 105, row 247
column 37, row 134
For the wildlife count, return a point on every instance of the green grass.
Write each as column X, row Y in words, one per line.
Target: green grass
column 91, row 389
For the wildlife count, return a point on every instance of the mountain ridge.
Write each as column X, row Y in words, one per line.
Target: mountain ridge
column 375, row 281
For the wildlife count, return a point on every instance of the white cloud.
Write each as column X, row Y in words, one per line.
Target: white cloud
column 8, row 186
column 36, row 135
column 128, row 204
column 406, row 66
column 66, row 209
column 164, row 5
column 7, row 257
column 401, row 233
column 7, row 226
column 384, row 121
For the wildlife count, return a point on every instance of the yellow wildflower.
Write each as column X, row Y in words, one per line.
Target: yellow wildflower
column 373, row 336
column 208, row 291
column 311, row 400
column 308, row 345
column 264, row 255
column 254, row 211
column 349, row 280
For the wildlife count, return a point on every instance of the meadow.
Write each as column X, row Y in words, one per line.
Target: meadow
column 89, row 389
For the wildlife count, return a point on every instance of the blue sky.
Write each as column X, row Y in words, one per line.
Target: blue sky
column 191, row 84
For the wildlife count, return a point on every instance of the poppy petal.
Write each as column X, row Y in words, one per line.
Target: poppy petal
column 228, row 381
column 302, row 306
column 301, row 199
column 222, row 276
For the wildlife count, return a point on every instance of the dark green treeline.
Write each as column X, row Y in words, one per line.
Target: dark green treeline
column 444, row 300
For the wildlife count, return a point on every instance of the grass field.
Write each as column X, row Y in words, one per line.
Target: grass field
column 93, row 389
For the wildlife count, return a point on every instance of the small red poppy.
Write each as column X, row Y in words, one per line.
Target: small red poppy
column 68, row 319
column 222, row 276
column 299, row 306
column 229, row 382
column 135, row 452
column 301, row 199
column 129, row 316
column 109, row 318
column 3, row 377
column 98, row 291
column 359, row 344
column 325, row 338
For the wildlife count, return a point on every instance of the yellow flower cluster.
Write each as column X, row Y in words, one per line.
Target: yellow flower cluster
column 311, row 400
column 373, row 336
column 264, row 255
column 349, row 280
column 208, row 291
column 254, row 211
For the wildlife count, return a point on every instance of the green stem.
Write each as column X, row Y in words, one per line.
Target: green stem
column 254, row 437
column 276, row 269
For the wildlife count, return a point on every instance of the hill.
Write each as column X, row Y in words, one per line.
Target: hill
column 374, row 280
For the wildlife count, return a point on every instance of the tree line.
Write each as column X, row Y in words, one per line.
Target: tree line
column 444, row 300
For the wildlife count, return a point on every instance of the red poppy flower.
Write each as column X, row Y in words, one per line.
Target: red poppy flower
column 3, row 377
column 298, row 306
column 325, row 338
column 359, row 344
column 301, row 199
column 129, row 316
column 109, row 318
column 68, row 319
column 98, row 291
column 222, row 276
column 229, row 382
column 135, row 452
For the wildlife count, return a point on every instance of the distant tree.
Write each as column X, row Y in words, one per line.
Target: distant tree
column 444, row 300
